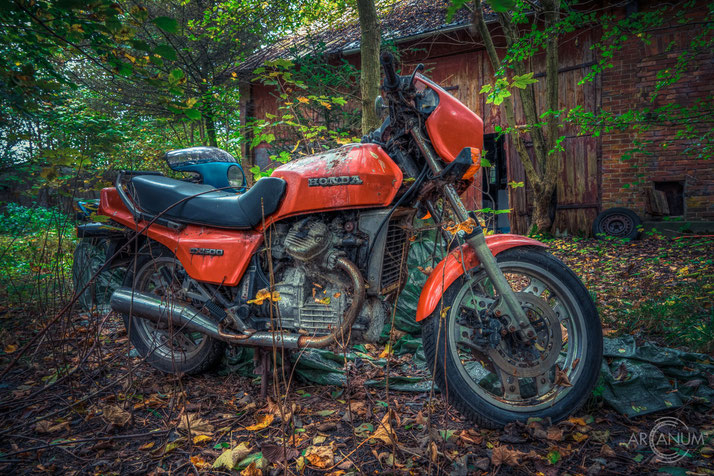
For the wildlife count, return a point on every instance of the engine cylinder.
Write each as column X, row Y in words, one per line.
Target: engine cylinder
column 307, row 239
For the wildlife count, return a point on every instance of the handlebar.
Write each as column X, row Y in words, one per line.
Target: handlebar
column 391, row 80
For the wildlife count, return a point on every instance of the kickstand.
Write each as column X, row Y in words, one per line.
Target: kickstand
column 262, row 367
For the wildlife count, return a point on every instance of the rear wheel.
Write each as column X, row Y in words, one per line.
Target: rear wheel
column 89, row 257
column 168, row 349
column 495, row 376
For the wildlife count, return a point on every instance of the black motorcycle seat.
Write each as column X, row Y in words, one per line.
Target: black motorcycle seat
column 154, row 194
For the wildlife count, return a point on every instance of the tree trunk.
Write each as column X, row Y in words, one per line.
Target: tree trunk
column 543, row 179
column 208, row 117
column 369, row 69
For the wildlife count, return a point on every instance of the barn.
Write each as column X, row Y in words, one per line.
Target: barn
column 647, row 170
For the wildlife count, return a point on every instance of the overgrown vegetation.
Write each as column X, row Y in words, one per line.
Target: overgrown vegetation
column 36, row 246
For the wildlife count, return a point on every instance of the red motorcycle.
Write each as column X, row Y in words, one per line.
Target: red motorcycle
column 315, row 255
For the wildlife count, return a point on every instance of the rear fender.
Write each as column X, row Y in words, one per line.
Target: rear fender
column 100, row 230
column 450, row 268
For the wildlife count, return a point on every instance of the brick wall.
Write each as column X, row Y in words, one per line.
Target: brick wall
column 628, row 84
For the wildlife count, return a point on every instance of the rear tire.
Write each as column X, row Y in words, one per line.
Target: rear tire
column 470, row 379
column 89, row 256
column 169, row 350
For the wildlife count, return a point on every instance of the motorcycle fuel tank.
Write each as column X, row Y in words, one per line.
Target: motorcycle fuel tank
column 352, row 176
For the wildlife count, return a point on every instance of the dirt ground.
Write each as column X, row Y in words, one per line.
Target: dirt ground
column 79, row 401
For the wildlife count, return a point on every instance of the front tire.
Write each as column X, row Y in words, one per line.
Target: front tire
column 169, row 350
column 492, row 376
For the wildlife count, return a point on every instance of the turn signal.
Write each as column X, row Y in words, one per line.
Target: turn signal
column 476, row 159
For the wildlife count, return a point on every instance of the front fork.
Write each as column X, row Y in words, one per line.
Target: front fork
column 477, row 241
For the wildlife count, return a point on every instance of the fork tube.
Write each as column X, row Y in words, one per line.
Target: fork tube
column 476, row 239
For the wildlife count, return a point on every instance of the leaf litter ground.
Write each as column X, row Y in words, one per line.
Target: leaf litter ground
column 81, row 402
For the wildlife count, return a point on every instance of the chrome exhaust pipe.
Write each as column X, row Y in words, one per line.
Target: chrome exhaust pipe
column 150, row 307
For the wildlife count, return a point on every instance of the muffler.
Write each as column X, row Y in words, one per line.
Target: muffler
column 150, row 307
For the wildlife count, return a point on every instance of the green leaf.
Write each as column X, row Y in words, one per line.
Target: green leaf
column 553, row 457
column 125, row 69
column 166, row 52
column 244, row 463
column 446, row 434
column 176, row 75
column 485, row 162
column 485, row 89
column 502, row 5
column 193, row 114
column 524, row 80
column 168, row 24
column 340, row 101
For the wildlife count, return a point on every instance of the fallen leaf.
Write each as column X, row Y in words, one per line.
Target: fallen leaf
column 199, row 462
column 384, row 431
column 553, row 456
column 251, row 470
column 600, row 436
column 262, row 422
column 607, row 451
column 197, row 425
column 10, row 348
column 561, row 378
column 45, row 426
column 577, row 421
column 278, row 454
column 200, row 439
column 471, row 437
column 503, row 455
column 554, row 434
column 358, row 407
column 578, row 437
column 116, row 416
column 146, row 446
column 427, row 271
column 320, row 456
column 172, row 446
column 433, row 452
column 229, row 458
column 465, row 226
column 264, row 295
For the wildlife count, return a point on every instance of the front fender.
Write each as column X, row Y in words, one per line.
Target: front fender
column 450, row 268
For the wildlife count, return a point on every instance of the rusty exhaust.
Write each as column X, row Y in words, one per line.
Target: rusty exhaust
column 150, row 307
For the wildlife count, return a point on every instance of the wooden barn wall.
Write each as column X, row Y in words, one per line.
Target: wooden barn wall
column 458, row 62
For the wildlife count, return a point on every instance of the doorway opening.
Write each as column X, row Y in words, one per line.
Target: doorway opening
column 495, row 185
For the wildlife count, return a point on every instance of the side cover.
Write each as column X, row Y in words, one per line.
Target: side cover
column 353, row 176
column 208, row 254
column 451, row 267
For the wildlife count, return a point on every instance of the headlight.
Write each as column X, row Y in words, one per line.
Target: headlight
column 236, row 179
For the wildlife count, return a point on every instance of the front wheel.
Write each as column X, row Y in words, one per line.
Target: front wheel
column 494, row 375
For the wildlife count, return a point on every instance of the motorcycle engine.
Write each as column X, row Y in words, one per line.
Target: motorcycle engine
column 313, row 298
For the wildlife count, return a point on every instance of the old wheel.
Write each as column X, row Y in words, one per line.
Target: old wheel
column 617, row 222
column 169, row 350
column 494, row 375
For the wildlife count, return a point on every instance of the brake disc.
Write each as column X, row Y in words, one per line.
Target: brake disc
column 538, row 355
